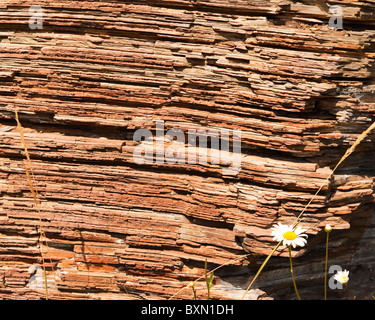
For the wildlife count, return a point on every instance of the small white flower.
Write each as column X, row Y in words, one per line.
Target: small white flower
column 328, row 228
column 289, row 236
column 342, row 276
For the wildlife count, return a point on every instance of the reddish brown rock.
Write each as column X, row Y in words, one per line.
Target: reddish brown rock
column 299, row 92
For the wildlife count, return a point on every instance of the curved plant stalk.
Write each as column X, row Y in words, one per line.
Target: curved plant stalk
column 292, row 272
column 30, row 178
column 261, row 268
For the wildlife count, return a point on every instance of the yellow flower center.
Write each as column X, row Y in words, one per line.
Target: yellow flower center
column 290, row 235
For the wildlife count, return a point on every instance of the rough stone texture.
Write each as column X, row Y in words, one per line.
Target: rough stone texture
column 99, row 70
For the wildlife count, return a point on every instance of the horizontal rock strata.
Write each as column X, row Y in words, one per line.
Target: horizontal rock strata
column 299, row 92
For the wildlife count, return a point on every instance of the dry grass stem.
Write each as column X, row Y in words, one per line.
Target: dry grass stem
column 30, row 179
column 348, row 152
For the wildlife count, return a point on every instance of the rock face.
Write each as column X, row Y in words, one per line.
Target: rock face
column 97, row 71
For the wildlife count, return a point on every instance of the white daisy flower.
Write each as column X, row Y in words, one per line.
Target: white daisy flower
column 289, row 236
column 342, row 276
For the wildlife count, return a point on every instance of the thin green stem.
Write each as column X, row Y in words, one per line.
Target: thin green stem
column 325, row 269
column 192, row 286
column 261, row 268
column 291, row 270
column 208, row 283
column 195, row 294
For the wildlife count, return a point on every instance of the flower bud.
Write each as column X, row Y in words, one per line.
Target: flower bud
column 328, row 228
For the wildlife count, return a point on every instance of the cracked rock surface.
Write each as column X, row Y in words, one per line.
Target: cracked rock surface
column 98, row 71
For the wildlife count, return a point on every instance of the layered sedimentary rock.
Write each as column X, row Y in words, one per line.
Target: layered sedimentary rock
column 299, row 92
